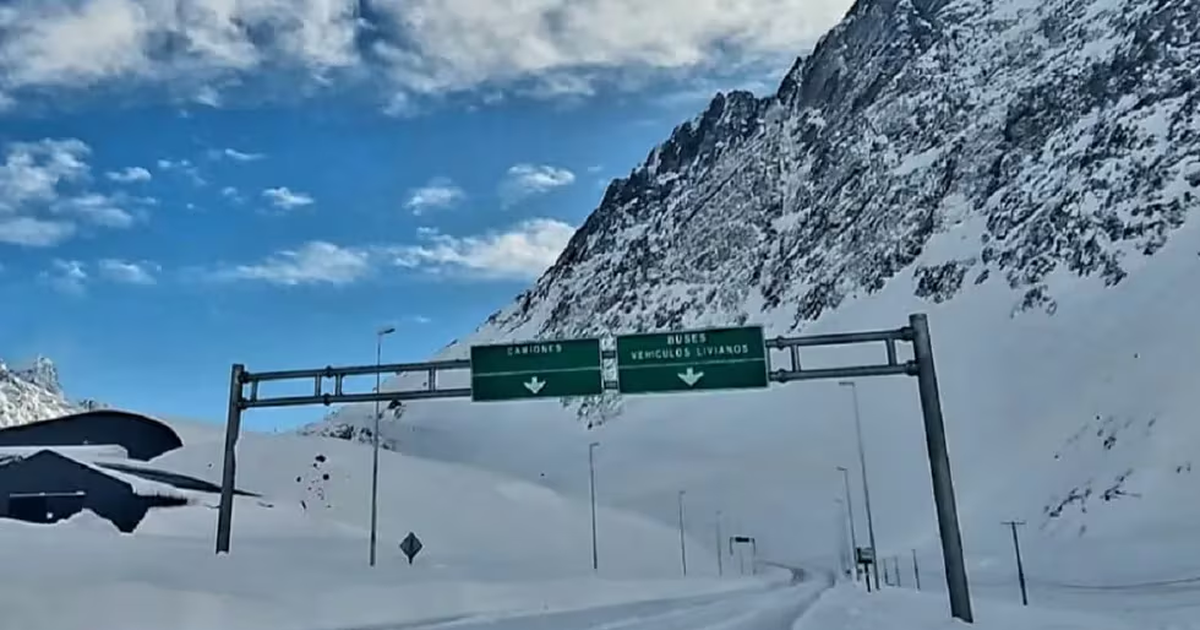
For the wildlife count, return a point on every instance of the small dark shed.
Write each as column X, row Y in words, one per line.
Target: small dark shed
column 47, row 487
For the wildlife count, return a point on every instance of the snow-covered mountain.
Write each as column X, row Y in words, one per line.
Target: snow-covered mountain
column 32, row 393
column 1025, row 172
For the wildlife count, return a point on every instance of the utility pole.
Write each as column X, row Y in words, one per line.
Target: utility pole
column 1020, row 566
column 862, row 463
column 682, row 543
column 896, row 570
column 720, row 561
column 850, row 515
column 916, row 571
column 592, row 485
column 386, row 330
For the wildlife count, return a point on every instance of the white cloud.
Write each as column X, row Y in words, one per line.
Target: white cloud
column 232, row 194
column 440, row 192
column 184, row 166
column 129, row 174
column 422, row 47
column 35, row 171
column 98, row 209
column 43, row 194
column 32, row 232
column 91, row 41
column 67, row 276
column 523, row 180
column 235, row 155
column 315, row 262
column 401, row 105
column 128, row 272
column 286, row 199
column 520, row 253
column 208, row 96
column 562, row 44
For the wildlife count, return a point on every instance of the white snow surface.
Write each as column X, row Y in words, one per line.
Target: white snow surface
column 492, row 545
column 1079, row 422
column 850, row 608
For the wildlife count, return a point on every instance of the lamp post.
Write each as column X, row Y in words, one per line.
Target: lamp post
column 850, row 516
column 720, row 561
column 843, row 566
column 682, row 544
column 862, row 462
column 379, row 335
column 592, row 484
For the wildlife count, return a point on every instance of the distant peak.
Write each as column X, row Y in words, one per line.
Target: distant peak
column 41, row 372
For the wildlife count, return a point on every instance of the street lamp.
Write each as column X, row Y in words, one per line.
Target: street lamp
column 379, row 335
column 862, row 462
column 843, row 566
column 682, row 544
column 592, row 483
column 850, row 515
column 720, row 561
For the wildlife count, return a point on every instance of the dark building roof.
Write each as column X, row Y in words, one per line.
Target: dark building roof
column 183, row 482
column 142, row 438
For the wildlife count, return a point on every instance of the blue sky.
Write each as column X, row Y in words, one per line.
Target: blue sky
column 185, row 186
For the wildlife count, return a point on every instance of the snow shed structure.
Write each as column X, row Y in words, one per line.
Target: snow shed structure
column 47, row 487
column 143, row 438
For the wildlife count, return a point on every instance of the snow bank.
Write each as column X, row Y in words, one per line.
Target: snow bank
column 493, row 545
column 849, row 608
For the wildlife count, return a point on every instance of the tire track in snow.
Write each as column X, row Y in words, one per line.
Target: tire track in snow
column 776, row 608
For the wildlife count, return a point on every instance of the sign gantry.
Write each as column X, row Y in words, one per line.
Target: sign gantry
column 646, row 363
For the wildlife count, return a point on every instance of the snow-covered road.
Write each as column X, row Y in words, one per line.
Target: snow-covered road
column 772, row 608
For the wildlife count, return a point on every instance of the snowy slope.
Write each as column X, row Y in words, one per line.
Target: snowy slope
column 492, row 545
column 466, row 518
column 1025, row 172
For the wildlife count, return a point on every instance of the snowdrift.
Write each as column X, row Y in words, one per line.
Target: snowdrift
column 299, row 553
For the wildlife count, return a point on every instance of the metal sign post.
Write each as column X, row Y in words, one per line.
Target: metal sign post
column 747, row 540
column 728, row 358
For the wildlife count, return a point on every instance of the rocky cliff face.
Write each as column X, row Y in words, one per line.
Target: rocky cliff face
column 1060, row 137
column 1030, row 145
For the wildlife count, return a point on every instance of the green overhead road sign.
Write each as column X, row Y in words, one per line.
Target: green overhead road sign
column 719, row 358
column 536, row 369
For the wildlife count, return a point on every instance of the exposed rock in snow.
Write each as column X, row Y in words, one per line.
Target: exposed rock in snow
column 31, row 394
column 41, row 372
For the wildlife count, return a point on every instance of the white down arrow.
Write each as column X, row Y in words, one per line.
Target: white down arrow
column 690, row 377
column 534, row 385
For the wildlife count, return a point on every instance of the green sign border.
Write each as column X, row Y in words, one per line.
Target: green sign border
column 525, row 396
column 766, row 359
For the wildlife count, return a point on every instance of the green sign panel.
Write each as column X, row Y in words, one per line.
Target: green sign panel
column 720, row 358
column 536, row 369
